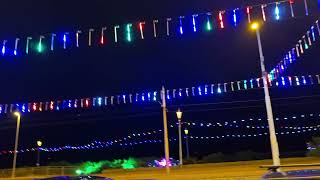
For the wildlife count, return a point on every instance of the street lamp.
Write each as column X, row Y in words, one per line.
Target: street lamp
column 39, row 144
column 179, row 116
column 273, row 138
column 18, row 115
column 186, row 132
column 165, row 129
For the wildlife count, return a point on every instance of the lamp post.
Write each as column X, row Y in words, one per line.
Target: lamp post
column 272, row 132
column 18, row 115
column 179, row 116
column 39, row 144
column 165, row 129
column 186, row 132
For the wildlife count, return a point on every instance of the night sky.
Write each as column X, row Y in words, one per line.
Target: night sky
column 175, row 61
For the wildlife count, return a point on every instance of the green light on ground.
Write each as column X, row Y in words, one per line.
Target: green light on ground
column 96, row 167
column 129, row 164
column 78, row 172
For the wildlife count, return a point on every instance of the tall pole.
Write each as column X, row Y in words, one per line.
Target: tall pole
column 165, row 129
column 180, row 144
column 38, row 157
column 272, row 132
column 187, row 145
column 39, row 144
column 16, row 146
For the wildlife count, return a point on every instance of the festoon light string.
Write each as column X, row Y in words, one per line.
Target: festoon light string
column 197, row 23
column 309, row 38
column 206, row 90
column 130, row 142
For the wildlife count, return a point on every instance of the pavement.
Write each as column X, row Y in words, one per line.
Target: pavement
column 243, row 170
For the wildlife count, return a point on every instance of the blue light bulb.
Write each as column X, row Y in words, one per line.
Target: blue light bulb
column 99, row 101
column 65, row 40
column 304, row 81
column 199, row 90
column 251, row 83
column 149, row 96
column 155, row 96
column 277, row 12
column 297, row 81
column 290, row 57
column 219, row 90
column 181, row 28
column 313, row 34
column 283, row 81
column 23, row 108
column 3, row 49
column 194, row 22
column 124, row 98
column 235, row 17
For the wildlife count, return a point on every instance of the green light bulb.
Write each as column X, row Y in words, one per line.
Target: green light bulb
column 78, row 172
column 209, row 26
column 129, row 39
column 40, row 48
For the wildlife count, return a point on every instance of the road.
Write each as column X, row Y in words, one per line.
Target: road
column 227, row 171
column 245, row 170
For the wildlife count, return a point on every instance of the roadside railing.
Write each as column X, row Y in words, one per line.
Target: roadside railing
column 39, row 171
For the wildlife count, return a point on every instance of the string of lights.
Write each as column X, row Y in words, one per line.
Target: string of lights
column 253, row 135
column 230, row 124
column 227, row 125
column 104, row 145
column 293, row 54
column 135, row 138
column 239, row 123
column 154, row 96
column 136, row 30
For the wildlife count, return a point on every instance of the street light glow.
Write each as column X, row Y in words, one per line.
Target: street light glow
column 39, row 143
column 186, row 131
column 179, row 114
column 17, row 114
column 255, row 26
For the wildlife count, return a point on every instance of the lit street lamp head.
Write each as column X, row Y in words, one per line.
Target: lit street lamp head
column 179, row 114
column 17, row 114
column 39, row 143
column 186, row 131
column 255, row 26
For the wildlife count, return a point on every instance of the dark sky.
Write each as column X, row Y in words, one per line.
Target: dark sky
column 177, row 61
